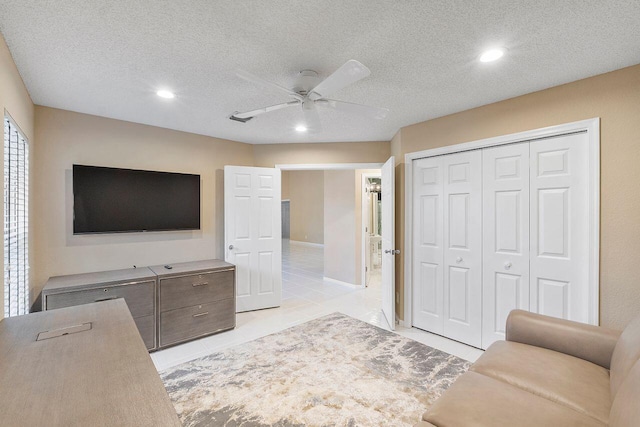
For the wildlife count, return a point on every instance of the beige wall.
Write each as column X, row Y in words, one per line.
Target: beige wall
column 284, row 184
column 306, row 193
column 615, row 98
column 14, row 100
column 269, row 155
column 66, row 138
column 339, row 226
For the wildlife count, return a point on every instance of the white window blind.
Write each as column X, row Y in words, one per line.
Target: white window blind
column 16, row 221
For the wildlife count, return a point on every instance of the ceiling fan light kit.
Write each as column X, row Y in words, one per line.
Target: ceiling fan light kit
column 309, row 92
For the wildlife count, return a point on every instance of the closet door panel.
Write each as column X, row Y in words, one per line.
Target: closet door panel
column 559, row 227
column 428, row 250
column 463, row 246
column 505, row 171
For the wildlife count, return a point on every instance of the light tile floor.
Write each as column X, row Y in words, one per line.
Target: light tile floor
column 306, row 296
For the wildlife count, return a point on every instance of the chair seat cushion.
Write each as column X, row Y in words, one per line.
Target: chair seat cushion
column 580, row 385
column 476, row 400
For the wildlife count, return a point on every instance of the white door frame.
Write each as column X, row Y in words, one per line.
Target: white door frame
column 327, row 166
column 591, row 127
column 365, row 219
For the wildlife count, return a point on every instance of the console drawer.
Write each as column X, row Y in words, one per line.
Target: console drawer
column 140, row 297
column 187, row 291
column 191, row 322
column 147, row 328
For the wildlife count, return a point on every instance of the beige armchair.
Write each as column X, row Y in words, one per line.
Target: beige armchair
column 548, row 372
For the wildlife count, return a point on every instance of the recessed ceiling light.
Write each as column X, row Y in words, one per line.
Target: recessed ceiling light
column 165, row 94
column 491, row 55
column 301, row 128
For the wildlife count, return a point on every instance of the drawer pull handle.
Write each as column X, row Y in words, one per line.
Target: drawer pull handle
column 200, row 284
column 201, row 314
column 106, row 299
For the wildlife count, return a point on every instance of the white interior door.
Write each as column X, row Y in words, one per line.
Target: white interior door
column 253, row 235
column 462, row 194
column 559, row 227
column 388, row 242
column 505, row 200
column 428, row 245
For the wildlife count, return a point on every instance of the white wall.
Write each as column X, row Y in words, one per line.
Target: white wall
column 66, row 138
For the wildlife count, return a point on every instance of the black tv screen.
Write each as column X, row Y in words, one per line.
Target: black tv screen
column 110, row 200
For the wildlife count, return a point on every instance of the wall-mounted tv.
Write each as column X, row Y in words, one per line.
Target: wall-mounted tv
column 111, row 200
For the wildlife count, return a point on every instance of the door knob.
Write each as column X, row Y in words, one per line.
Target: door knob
column 230, row 247
column 507, row 265
column 459, row 259
column 387, row 251
column 392, row 251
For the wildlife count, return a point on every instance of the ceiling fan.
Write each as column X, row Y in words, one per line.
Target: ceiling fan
column 309, row 91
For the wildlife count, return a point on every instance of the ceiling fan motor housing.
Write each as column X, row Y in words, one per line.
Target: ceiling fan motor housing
column 307, row 80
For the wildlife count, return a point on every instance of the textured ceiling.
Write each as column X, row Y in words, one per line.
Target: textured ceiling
column 109, row 57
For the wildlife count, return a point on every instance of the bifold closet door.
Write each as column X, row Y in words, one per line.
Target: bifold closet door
column 462, row 311
column 428, row 244
column 559, row 227
column 447, row 247
column 505, row 200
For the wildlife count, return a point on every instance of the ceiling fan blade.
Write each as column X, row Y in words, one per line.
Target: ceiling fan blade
column 349, row 73
column 311, row 117
column 265, row 83
column 253, row 113
column 349, row 107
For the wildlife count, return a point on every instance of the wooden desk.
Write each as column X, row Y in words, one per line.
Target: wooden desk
column 99, row 377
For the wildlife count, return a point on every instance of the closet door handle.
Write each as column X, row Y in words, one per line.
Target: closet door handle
column 200, row 284
column 507, row 265
column 459, row 260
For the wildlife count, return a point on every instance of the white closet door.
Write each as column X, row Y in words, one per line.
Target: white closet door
column 559, row 173
column 462, row 196
column 428, row 244
column 505, row 200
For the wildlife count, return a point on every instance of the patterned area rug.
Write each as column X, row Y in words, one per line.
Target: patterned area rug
column 331, row 371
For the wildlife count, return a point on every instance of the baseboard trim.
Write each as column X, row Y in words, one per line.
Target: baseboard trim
column 341, row 283
column 300, row 243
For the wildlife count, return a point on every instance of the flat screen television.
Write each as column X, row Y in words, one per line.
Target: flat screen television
column 111, row 200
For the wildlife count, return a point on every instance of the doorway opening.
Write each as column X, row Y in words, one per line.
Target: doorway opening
column 334, row 222
column 371, row 228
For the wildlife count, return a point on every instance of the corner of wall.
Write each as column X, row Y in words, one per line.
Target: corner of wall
column 16, row 101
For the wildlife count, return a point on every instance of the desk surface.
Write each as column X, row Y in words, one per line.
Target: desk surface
column 99, row 377
column 76, row 282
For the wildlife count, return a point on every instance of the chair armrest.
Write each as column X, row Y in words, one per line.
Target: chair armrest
column 592, row 343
